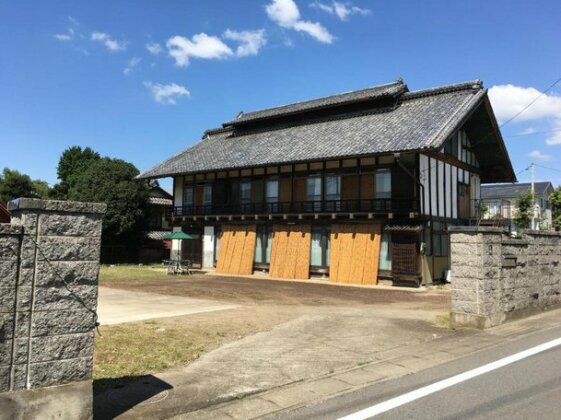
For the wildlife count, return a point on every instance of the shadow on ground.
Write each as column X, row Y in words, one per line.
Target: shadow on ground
column 115, row 396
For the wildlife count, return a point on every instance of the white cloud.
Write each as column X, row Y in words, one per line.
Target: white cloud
column 341, row 10
column 250, row 41
column 133, row 62
column 154, row 48
column 536, row 154
column 555, row 138
column 527, row 131
column 200, row 46
column 508, row 100
column 73, row 21
column 110, row 43
column 285, row 13
column 69, row 36
column 166, row 94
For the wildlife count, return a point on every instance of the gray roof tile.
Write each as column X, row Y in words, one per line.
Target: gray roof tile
column 421, row 120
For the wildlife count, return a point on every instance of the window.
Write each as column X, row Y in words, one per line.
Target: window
column 440, row 240
column 207, row 195
column 385, row 262
column 263, row 245
column 319, row 251
column 272, row 191
column 313, row 193
column 188, row 197
column 383, row 183
column 493, row 209
column 332, row 187
column 313, row 188
column 245, row 192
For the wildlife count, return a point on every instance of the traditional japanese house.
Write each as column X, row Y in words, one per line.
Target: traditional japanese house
column 353, row 188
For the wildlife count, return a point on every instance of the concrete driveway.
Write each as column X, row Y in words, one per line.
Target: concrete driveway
column 117, row 306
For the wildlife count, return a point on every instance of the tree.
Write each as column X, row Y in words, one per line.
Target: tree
column 524, row 210
column 555, row 200
column 14, row 184
column 71, row 164
column 112, row 181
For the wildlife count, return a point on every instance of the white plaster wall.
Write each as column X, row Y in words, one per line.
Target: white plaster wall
column 208, row 247
column 176, row 246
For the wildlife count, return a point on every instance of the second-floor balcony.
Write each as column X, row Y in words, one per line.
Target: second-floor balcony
column 366, row 206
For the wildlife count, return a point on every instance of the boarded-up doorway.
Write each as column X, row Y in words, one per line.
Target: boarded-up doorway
column 355, row 253
column 290, row 252
column 237, row 249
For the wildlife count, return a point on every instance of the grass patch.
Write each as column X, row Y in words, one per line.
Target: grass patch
column 131, row 272
column 137, row 349
column 442, row 321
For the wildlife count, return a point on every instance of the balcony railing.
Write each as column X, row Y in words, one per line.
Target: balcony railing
column 377, row 205
column 492, row 209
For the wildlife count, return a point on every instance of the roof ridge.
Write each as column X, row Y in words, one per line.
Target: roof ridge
column 455, row 87
column 242, row 115
column 317, row 120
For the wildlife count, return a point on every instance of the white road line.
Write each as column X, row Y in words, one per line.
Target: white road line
column 446, row 383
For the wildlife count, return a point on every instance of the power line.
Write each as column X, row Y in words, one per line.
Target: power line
column 518, row 113
column 531, row 103
column 545, row 167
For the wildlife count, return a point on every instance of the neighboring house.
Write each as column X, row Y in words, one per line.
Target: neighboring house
column 357, row 186
column 160, row 205
column 500, row 202
column 5, row 216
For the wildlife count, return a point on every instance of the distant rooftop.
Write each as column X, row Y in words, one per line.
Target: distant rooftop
column 513, row 190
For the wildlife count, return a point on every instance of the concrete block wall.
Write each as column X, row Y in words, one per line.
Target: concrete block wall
column 49, row 265
column 496, row 277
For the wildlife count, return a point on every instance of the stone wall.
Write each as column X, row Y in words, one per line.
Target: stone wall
column 49, row 264
column 496, row 277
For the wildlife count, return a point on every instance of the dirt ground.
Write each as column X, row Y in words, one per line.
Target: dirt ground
column 121, row 353
column 255, row 290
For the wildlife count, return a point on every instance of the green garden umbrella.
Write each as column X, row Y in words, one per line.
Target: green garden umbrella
column 179, row 235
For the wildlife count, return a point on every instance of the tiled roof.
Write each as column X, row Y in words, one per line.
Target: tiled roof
column 513, row 190
column 156, row 235
column 420, row 120
column 390, row 89
column 160, row 201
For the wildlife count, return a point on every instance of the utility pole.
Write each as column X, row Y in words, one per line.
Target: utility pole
column 532, row 177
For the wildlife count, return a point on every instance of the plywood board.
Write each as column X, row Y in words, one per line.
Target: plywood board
column 372, row 255
column 290, row 253
column 355, row 251
column 304, row 243
column 237, row 249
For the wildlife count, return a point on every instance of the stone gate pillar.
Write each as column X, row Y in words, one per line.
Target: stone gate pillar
column 49, row 265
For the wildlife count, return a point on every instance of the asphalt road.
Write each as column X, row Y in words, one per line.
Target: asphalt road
column 527, row 389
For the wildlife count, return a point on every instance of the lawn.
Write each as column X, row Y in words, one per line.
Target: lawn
column 128, row 272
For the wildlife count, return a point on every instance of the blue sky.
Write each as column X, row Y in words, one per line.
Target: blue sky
column 141, row 80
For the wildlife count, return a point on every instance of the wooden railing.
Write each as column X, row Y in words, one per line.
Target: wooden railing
column 376, row 205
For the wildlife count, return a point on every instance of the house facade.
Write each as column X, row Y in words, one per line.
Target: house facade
column 354, row 188
column 160, row 207
column 499, row 201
